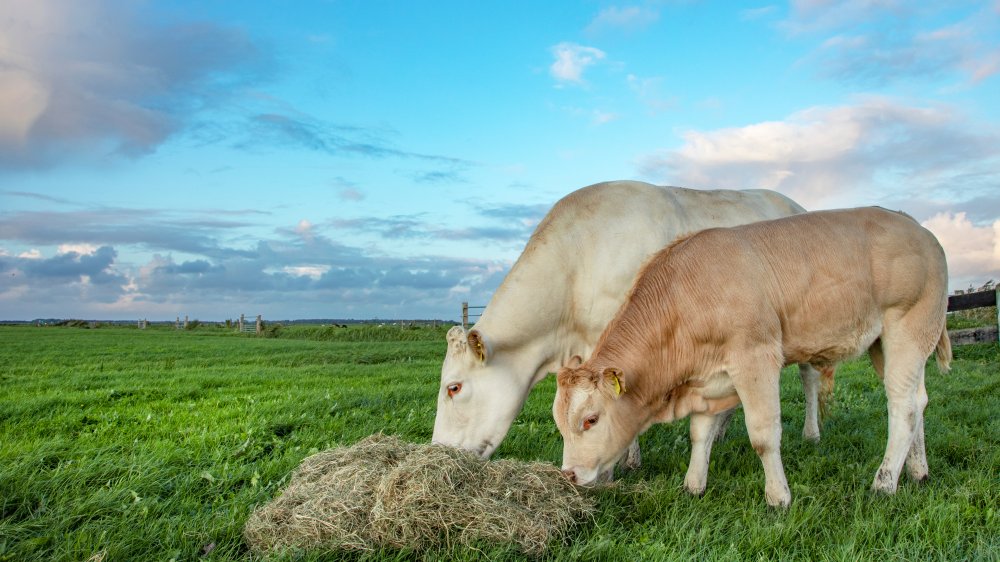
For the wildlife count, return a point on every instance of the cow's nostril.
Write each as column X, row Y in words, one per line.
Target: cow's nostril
column 570, row 474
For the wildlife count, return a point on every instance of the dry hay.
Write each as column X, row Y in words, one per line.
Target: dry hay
column 385, row 492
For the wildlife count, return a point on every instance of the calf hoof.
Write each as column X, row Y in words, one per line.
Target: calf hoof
column 920, row 479
column 780, row 499
column 695, row 489
column 811, row 436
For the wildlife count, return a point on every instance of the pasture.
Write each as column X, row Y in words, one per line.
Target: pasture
column 126, row 444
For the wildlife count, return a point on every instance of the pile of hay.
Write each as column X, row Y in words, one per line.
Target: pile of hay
column 384, row 492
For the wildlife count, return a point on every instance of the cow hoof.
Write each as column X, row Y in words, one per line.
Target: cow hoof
column 920, row 479
column 778, row 498
column 811, row 437
column 884, row 483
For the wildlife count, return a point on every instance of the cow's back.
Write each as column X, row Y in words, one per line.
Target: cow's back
column 582, row 258
column 830, row 279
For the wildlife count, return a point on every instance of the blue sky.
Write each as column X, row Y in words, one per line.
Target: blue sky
column 342, row 159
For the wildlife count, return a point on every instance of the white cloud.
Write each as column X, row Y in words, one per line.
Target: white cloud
column 865, row 153
column 82, row 249
column 650, row 93
column 878, row 41
column 629, row 18
column 973, row 251
column 32, row 254
column 311, row 271
column 572, row 60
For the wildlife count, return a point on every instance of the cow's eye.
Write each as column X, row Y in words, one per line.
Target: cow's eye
column 590, row 422
column 454, row 389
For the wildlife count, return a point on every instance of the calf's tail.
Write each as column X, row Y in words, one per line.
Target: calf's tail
column 943, row 351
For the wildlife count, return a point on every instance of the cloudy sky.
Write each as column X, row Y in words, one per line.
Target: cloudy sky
column 362, row 159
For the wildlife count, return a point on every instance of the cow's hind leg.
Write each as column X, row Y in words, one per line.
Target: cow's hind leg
column 916, row 458
column 810, row 387
column 722, row 423
column 903, row 379
column 758, row 390
column 704, row 430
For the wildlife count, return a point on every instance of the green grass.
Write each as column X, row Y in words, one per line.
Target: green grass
column 157, row 444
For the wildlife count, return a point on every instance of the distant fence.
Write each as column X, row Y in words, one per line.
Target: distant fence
column 956, row 303
column 466, row 314
column 250, row 328
column 969, row 301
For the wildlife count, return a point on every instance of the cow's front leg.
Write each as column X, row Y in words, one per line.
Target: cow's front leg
column 633, row 458
column 704, row 429
column 760, row 395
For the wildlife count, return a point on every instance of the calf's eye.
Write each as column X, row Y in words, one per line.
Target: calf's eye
column 589, row 422
column 454, row 389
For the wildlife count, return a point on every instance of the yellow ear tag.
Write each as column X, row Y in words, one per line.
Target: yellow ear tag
column 619, row 387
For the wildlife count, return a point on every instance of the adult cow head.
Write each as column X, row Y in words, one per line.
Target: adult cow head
column 598, row 418
column 477, row 401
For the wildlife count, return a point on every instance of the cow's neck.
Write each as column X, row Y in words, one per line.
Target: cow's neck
column 526, row 327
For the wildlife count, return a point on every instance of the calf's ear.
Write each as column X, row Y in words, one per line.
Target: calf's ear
column 614, row 378
column 477, row 345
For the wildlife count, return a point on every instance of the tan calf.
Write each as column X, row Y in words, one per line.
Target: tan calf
column 711, row 320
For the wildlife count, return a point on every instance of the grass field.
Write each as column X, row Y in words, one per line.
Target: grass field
column 121, row 444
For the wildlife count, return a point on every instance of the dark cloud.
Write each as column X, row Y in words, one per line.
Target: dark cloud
column 418, row 228
column 528, row 214
column 150, row 228
column 74, row 266
column 301, row 131
column 96, row 77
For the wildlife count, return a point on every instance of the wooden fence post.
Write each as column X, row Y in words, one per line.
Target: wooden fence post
column 465, row 314
column 242, row 321
column 260, row 325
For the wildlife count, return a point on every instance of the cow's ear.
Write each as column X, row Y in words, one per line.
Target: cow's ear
column 477, row 345
column 574, row 362
column 613, row 376
column 456, row 340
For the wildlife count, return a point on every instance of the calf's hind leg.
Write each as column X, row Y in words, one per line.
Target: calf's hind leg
column 916, row 458
column 904, row 382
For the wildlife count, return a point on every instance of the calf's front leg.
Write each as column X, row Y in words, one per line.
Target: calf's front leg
column 759, row 392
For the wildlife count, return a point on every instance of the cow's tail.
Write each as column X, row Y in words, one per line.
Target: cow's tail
column 943, row 351
column 826, row 391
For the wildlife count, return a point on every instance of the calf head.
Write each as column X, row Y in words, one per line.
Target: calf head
column 597, row 417
column 479, row 396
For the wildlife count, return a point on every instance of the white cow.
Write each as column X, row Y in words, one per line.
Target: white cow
column 566, row 286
